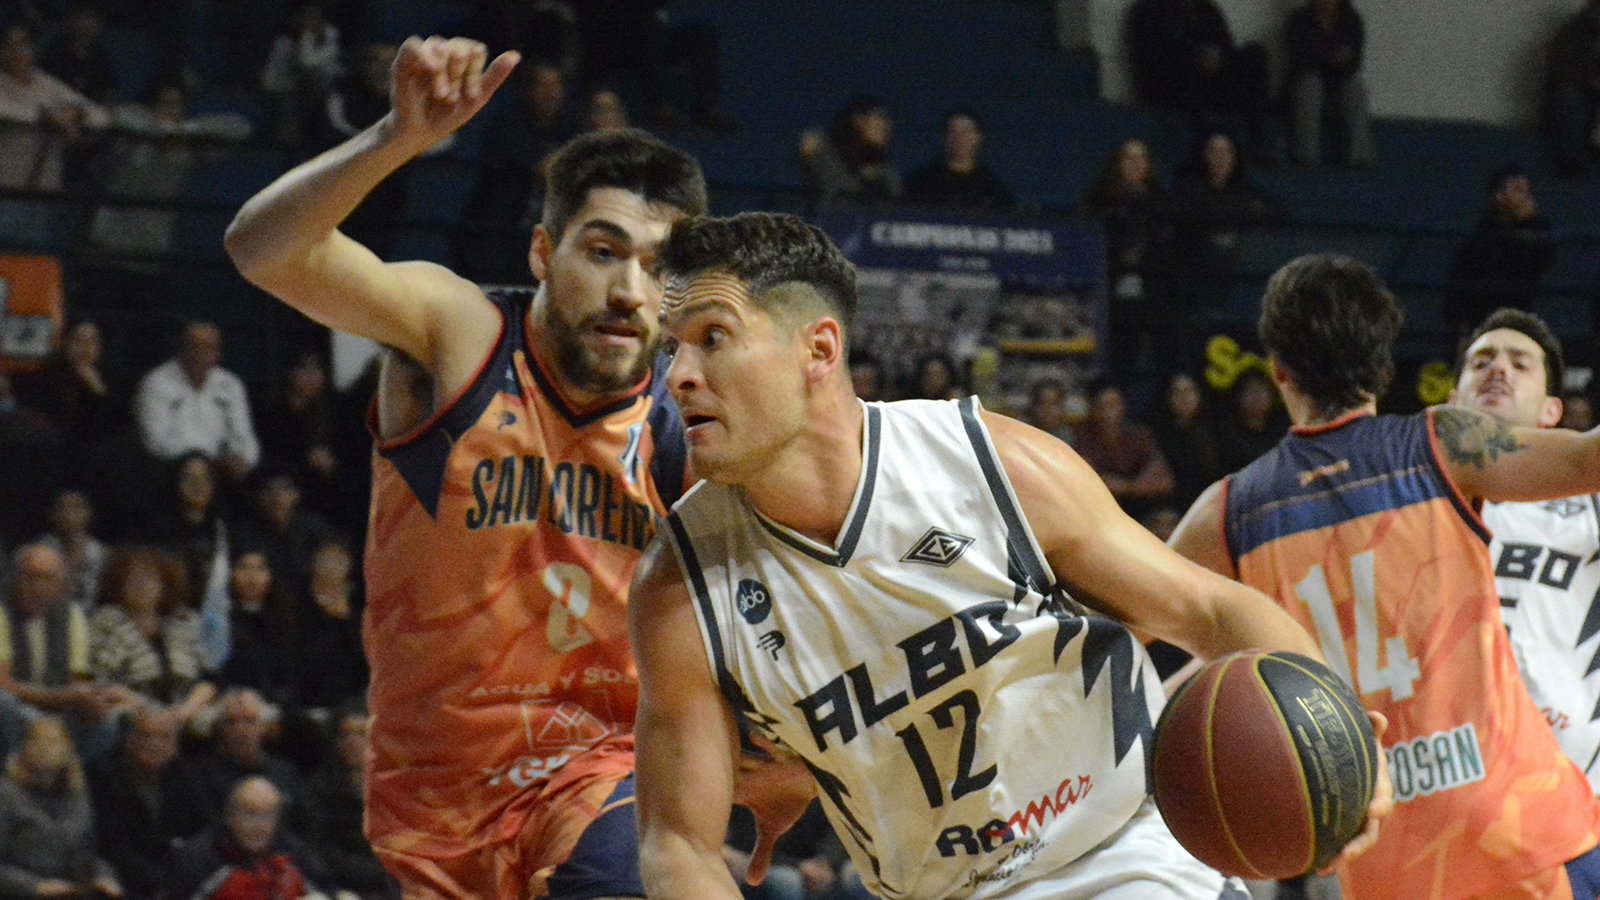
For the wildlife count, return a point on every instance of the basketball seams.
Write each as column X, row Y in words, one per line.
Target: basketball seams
column 1340, row 693
column 1286, row 731
column 1208, row 742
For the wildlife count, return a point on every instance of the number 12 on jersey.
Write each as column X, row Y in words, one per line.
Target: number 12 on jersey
column 1401, row 669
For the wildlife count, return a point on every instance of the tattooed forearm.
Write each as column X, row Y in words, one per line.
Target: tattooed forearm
column 1471, row 438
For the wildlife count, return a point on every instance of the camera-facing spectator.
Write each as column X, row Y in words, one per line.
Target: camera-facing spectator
column 1504, row 259
column 851, row 161
column 958, row 177
column 190, row 403
column 47, row 838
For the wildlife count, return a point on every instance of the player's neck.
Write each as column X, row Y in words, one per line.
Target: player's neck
column 812, row 484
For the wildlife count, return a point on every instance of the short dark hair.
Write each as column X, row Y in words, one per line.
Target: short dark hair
column 629, row 159
column 1527, row 323
column 1331, row 323
column 764, row 250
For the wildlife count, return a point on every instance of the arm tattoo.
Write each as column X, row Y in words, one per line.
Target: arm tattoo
column 1473, row 439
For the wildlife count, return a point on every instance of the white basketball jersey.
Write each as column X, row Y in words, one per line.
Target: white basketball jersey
column 969, row 733
column 1547, row 572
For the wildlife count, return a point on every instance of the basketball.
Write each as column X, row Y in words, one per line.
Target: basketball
column 1263, row 765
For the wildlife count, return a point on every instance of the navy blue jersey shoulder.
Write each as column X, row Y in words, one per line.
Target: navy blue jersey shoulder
column 421, row 460
column 669, row 466
column 1369, row 464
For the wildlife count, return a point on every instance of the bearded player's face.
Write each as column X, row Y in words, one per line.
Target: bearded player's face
column 601, row 300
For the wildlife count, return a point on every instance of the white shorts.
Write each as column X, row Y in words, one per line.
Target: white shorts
column 1142, row 861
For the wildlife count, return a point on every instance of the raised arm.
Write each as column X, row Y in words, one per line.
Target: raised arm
column 1113, row 564
column 685, row 737
column 1490, row 460
column 286, row 238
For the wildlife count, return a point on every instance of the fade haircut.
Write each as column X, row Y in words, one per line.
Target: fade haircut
column 1331, row 323
column 766, row 251
column 629, row 159
column 1526, row 323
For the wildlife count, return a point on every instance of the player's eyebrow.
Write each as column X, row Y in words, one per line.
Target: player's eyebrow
column 608, row 227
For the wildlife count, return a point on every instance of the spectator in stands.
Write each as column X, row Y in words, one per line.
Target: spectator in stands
column 866, row 376
column 1572, row 91
column 44, row 658
column 1577, row 410
column 296, row 428
column 302, row 65
column 851, row 161
column 334, row 826
column 244, row 857
column 73, row 390
column 1503, row 260
column 237, row 750
column 935, row 377
column 34, row 465
column 130, row 791
column 358, row 100
column 667, row 67
column 1135, row 209
column 1047, row 408
column 1215, row 204
column 147, row 160
column 190, row 524
column 190, row 403
column 1324, row 40
column 83, row 554
column 958, row 178
column 1122, row 452
column 1184, row 429
column 143, row 636
column 262, row 639
column 40, row 117
column 1254, row 423
column 491, row 241
column 283, row 529
column 604, row 110
column 47, row 841
column 333, row 668
column 79, row 58
column 1185, row 60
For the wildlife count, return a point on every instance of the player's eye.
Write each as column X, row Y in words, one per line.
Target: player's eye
column 669, row 347
column 714, row 337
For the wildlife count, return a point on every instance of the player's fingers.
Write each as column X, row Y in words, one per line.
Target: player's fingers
column 476, row 56
column 433, row 63
column 760, row 858
column 498, row 72
column 458, row 55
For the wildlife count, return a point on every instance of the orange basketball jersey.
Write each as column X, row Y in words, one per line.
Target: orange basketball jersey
column 504, row 532
column 1358, row 532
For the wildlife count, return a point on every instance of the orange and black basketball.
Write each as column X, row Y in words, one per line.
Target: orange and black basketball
column 1264, row 764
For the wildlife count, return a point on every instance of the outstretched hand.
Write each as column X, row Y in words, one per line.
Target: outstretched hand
column 437, row 84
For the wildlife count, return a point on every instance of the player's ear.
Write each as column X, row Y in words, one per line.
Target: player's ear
column 824, row 344
column 539, row 252
column 1550, row 412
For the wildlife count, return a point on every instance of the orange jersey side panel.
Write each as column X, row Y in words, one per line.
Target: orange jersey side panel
column 502, row 540
column 1358, row 534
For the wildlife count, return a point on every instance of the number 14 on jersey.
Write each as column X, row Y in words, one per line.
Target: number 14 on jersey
column 1397, row 670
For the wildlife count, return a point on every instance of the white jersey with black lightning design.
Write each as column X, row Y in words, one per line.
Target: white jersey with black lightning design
column 970, row 735
column 1547, row 572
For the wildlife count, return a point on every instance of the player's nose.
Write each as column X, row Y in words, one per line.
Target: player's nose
column 632, row 287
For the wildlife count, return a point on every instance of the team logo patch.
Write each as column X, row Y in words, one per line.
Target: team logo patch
column 938, row 548
column 772, row 642
column 753, row 600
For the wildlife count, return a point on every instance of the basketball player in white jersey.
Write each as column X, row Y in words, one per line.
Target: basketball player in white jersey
column 1546, row 555
column 879, row 588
